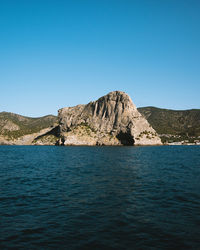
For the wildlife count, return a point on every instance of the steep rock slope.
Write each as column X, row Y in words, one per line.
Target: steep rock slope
column 111, row 120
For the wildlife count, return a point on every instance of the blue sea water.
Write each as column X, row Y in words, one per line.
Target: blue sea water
column 99, row 197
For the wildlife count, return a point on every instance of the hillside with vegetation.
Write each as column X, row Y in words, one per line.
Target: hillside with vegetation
column 13, row 126
column 174, row 125
column 171, row 125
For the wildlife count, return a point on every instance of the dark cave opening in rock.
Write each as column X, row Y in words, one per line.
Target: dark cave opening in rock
column 126, row 139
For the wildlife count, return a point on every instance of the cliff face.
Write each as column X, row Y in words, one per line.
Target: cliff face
column 111, row 120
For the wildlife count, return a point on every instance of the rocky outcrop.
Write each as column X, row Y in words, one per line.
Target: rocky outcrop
column 31, row 139
column 111, row 120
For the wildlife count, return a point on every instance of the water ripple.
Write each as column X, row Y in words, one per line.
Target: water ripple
column 99, row 197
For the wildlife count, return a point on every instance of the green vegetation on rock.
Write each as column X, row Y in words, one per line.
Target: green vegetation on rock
column 13, row 126
column 171, row 125
column 174, row 125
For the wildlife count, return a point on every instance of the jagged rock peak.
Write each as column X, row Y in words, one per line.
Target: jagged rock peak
column 112, row 120
column 117, row 96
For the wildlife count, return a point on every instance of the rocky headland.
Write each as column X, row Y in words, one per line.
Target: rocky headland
column 111, row 120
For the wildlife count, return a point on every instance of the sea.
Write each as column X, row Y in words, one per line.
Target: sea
column 54, row 197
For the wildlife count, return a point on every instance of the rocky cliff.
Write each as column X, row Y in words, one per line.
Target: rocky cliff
column 111, row 120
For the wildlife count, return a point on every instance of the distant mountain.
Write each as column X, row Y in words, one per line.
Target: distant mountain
column 13, row 126
column 176, row 125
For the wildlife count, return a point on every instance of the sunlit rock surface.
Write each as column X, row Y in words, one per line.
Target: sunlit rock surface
column 111, row 120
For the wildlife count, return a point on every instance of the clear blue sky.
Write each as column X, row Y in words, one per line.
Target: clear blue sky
column 62, row 53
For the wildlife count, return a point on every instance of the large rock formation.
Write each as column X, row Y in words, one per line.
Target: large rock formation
column 111, row 120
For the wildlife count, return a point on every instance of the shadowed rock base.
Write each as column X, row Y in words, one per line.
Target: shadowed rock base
column 125, row 139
